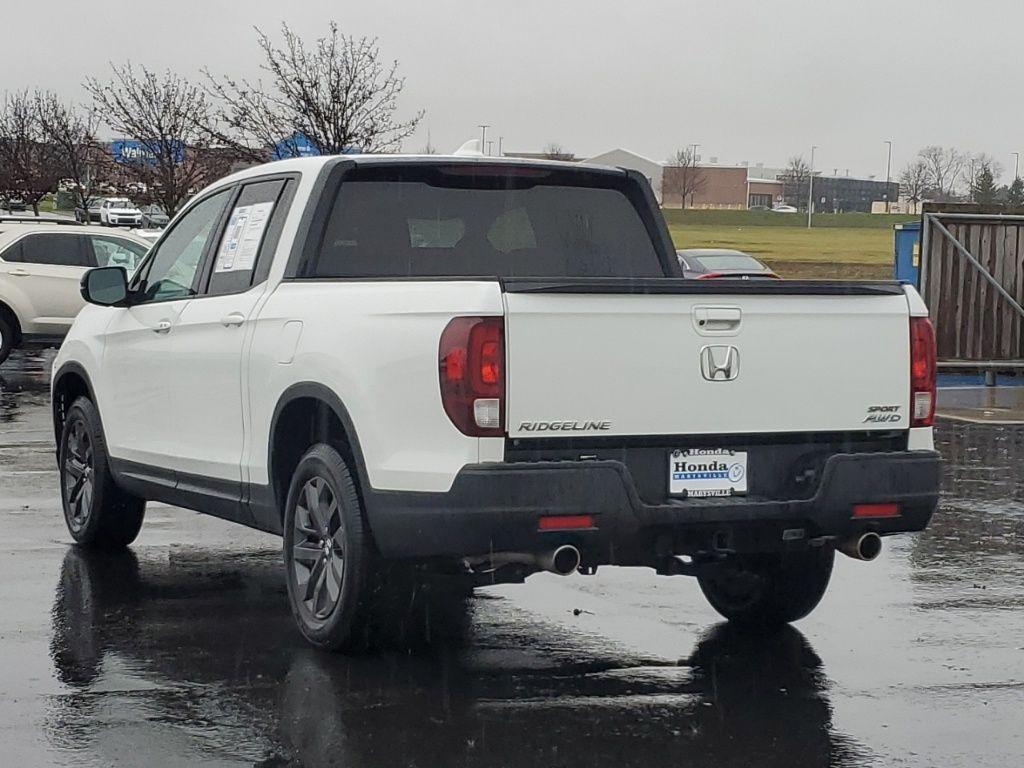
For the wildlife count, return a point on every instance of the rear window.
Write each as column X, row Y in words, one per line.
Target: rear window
column 729, row 261
column 412, row 222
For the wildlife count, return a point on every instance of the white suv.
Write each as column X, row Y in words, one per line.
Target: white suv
column 120, row 212
column 41, row 268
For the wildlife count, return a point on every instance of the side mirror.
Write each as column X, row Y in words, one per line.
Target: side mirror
column 106, row 286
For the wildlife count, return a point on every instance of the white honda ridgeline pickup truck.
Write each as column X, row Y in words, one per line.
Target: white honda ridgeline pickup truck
column 476, row 369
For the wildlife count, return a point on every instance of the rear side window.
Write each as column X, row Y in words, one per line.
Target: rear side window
column 511, row 222
column 252, row 224
column 61, row 250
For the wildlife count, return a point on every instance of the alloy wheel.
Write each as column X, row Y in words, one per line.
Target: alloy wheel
column 78, row 475
column 318, row 548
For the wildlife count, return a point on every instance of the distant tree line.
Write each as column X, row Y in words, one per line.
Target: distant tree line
column 947, row 174
column 334, row 95
column 937, row 173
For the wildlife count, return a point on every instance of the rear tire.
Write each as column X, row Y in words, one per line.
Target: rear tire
column 6, row 338
column 98, row 513
column 331, row 565
column 770, row 589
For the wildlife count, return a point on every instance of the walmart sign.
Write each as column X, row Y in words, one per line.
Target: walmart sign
column 299, row 145
column 132, row 151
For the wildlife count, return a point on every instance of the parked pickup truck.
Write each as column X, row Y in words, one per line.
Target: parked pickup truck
column 477, row 369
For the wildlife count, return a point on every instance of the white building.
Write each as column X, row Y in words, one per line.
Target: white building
column 623, row 158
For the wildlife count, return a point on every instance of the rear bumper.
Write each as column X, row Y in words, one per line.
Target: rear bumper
column 496, row 508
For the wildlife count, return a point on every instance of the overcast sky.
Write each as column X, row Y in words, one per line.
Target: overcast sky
column 755, row 81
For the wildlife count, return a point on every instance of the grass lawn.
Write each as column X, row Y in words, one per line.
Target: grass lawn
column 838, row 246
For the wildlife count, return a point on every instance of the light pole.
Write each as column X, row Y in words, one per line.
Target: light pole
column 501, row 140
column 810, row 188
column 489, row 143
column 888, row 175
column 1016, row 165
column 483, row 136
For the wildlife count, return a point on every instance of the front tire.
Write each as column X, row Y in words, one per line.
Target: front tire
column 770, row 589
column 98, row 513
column 330, row 562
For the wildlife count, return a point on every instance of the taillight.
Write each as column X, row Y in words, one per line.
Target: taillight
column 876, row 510
column 922, row 372
column 565, row 522
column 471, row 360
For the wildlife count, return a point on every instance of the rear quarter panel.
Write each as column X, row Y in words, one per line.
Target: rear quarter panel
column 375, row 345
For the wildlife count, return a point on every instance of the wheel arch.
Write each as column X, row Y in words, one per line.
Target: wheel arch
column 69, row 383
column 320, row 416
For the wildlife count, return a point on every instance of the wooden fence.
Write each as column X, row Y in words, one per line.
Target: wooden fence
column 972, row 278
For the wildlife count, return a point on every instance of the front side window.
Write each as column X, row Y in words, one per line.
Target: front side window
column 57, row 249
column 115, row 252
column 171, row 273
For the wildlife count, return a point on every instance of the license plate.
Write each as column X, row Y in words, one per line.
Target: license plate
column 702, row 472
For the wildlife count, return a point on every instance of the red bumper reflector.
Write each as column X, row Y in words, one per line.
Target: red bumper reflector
column 876, row 510
column 566, row 522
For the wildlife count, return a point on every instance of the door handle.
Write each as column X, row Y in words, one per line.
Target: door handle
column 164, row 326
column 18, row 273
column 235, row 319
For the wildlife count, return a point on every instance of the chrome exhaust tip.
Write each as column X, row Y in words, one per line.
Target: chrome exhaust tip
column 563, row 560
column 866, row 547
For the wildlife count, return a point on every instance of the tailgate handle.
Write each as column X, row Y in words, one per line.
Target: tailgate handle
column 717, row 320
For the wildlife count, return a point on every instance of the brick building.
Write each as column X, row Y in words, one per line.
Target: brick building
column 724, row 186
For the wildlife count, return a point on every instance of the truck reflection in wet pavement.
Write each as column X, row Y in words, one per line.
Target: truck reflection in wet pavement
column 202, row 644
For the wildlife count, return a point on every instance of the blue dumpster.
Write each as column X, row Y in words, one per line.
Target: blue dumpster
column 907, row 265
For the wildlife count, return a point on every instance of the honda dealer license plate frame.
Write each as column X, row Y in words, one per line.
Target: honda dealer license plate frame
column 707, row 472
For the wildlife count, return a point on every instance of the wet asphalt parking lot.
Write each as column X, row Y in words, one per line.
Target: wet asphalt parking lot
column 182, row 651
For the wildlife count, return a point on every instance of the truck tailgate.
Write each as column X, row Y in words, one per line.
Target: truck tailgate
column 751, row 360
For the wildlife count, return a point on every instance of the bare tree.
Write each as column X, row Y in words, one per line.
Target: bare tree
column 795, row 180
column 6, row 175
column 555, row 151
column 683, row 177
column 337, row 94
column 165, row 114
column 31, row 163
column 914, row 181
column 980, row 168
column 944, row 168
column 73, row 135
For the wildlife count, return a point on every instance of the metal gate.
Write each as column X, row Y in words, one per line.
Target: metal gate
column 972, row 278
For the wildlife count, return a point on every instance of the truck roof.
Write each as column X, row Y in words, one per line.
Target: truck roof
column 315, row 164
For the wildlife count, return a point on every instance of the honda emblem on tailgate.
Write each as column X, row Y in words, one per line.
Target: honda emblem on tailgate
column 719, row 362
